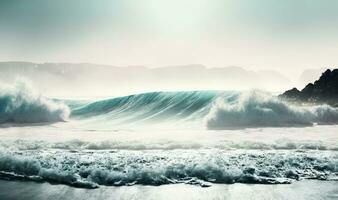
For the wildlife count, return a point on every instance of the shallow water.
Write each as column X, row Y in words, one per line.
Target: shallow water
column 302, row 190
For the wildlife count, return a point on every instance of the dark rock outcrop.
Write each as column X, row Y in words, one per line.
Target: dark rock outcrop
column 324, row 90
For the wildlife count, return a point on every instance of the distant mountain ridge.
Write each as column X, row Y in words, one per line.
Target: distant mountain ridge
column 323, row 90
column 86, row 79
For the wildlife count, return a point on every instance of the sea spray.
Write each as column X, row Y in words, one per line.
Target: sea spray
column 20, row 103
column 261, row 109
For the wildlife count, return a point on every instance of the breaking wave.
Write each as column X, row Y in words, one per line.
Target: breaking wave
column 21, row 104
column 260, row 109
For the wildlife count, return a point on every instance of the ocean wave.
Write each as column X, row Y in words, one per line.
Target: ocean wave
column 260, row 109
column 148, row 107
column 219, row 110
column 21, row 104
column 203, row 167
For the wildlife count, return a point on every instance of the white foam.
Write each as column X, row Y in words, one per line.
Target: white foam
column 261, row 109
column 93, row 168
column 22, row 104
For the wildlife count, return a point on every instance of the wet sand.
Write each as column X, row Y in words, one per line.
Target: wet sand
column 307, row 190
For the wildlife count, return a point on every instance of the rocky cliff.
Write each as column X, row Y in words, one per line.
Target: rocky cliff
column 324, row 90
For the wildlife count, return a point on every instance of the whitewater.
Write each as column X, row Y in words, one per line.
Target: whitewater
column 192, row 137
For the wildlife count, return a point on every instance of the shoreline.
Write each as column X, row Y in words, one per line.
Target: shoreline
column 305, row 189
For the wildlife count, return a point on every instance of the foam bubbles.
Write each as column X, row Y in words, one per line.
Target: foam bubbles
column 199, row 167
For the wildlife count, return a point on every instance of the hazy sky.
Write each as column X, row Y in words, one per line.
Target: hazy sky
column 254, row 34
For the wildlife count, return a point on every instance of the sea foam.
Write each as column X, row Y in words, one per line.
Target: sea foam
column 261, row 109
column 22, row 104
column 198, row 167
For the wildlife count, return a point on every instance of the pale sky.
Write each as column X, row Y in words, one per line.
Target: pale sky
column 283, row 35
